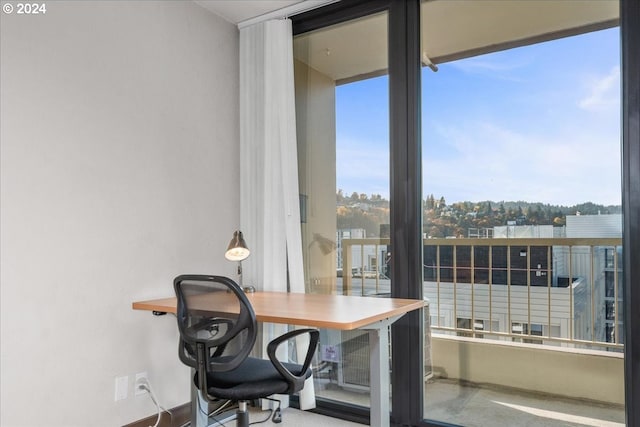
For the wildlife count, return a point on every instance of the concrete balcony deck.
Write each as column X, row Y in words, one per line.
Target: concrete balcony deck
column 484, row 382
column 533, row 341
column 479, row 382
column 471, row 405
column 465, row 403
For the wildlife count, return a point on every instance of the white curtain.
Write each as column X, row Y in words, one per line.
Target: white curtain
column 269, row 196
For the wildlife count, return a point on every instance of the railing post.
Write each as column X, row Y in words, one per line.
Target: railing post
column 346, row 267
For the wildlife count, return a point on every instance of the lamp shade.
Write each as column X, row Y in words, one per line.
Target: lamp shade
column 237, row 249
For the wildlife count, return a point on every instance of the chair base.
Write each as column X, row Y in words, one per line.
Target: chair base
column 222, row 418
column 240, row 415
column 242, row 418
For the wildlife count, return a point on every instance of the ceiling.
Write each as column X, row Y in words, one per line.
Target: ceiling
column 236, row 11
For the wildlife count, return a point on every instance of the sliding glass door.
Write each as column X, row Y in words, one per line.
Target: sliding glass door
column 343, row 152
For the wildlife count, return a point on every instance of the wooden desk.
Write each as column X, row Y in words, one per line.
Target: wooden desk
column 341, row 312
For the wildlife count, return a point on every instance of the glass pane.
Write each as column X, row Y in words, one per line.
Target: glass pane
column 522, row 219
column 343, row 145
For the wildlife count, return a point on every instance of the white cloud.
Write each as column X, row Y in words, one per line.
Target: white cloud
column 478, row 160
column 489, row 162
column 604, row 92
column 498, row 68
column 485, row 161
column 362, row 166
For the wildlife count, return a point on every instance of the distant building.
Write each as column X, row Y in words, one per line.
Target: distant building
column 562, row 300
column 594, row 225
column 525, row 231
column 607, row 271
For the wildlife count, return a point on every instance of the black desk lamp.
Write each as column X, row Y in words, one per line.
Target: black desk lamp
column 238, row 251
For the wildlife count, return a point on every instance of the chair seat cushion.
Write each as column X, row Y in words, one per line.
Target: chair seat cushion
column 253, row 379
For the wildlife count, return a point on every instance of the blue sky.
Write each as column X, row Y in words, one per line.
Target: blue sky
column 539, row 123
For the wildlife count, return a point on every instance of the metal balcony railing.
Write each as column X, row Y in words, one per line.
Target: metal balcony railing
column 553, row 291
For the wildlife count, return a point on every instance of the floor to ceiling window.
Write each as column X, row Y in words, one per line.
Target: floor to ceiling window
column 343, row 149
column 522, row 213
column 521, row 237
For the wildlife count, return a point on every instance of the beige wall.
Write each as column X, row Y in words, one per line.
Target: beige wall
column 593, row 375
column 119, row 159
column 316, row 132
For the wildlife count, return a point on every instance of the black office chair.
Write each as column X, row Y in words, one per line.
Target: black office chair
column 218, row 330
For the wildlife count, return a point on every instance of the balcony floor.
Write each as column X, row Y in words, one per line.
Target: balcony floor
column 473, row 406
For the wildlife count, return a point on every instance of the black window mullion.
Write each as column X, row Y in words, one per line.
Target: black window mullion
column 630, row 40
column 406, row 209
column 336, row 13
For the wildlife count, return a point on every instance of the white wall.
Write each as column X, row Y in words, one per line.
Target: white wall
column 119, row 164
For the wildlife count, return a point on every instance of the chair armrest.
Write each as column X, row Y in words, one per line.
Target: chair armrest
column 296, row 380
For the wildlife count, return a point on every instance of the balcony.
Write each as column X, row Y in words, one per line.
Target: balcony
column 527, row 327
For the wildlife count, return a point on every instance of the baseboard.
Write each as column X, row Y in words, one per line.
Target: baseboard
column 179, row 416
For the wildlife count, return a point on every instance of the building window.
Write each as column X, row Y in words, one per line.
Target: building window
column 610, row 309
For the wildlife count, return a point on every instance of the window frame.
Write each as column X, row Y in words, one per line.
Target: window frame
column 406, row 200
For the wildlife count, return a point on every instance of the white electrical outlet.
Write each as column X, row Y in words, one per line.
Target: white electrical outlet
column 122, row 388
column 141, row 378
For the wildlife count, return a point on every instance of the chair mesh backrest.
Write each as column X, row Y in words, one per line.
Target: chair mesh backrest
column 214, row 312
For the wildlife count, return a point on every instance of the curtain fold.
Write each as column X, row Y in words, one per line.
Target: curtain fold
column 269, row 195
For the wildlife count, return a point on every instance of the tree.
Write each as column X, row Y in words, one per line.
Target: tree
column 548, row 216
column 431, row 202
column 435, row 232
